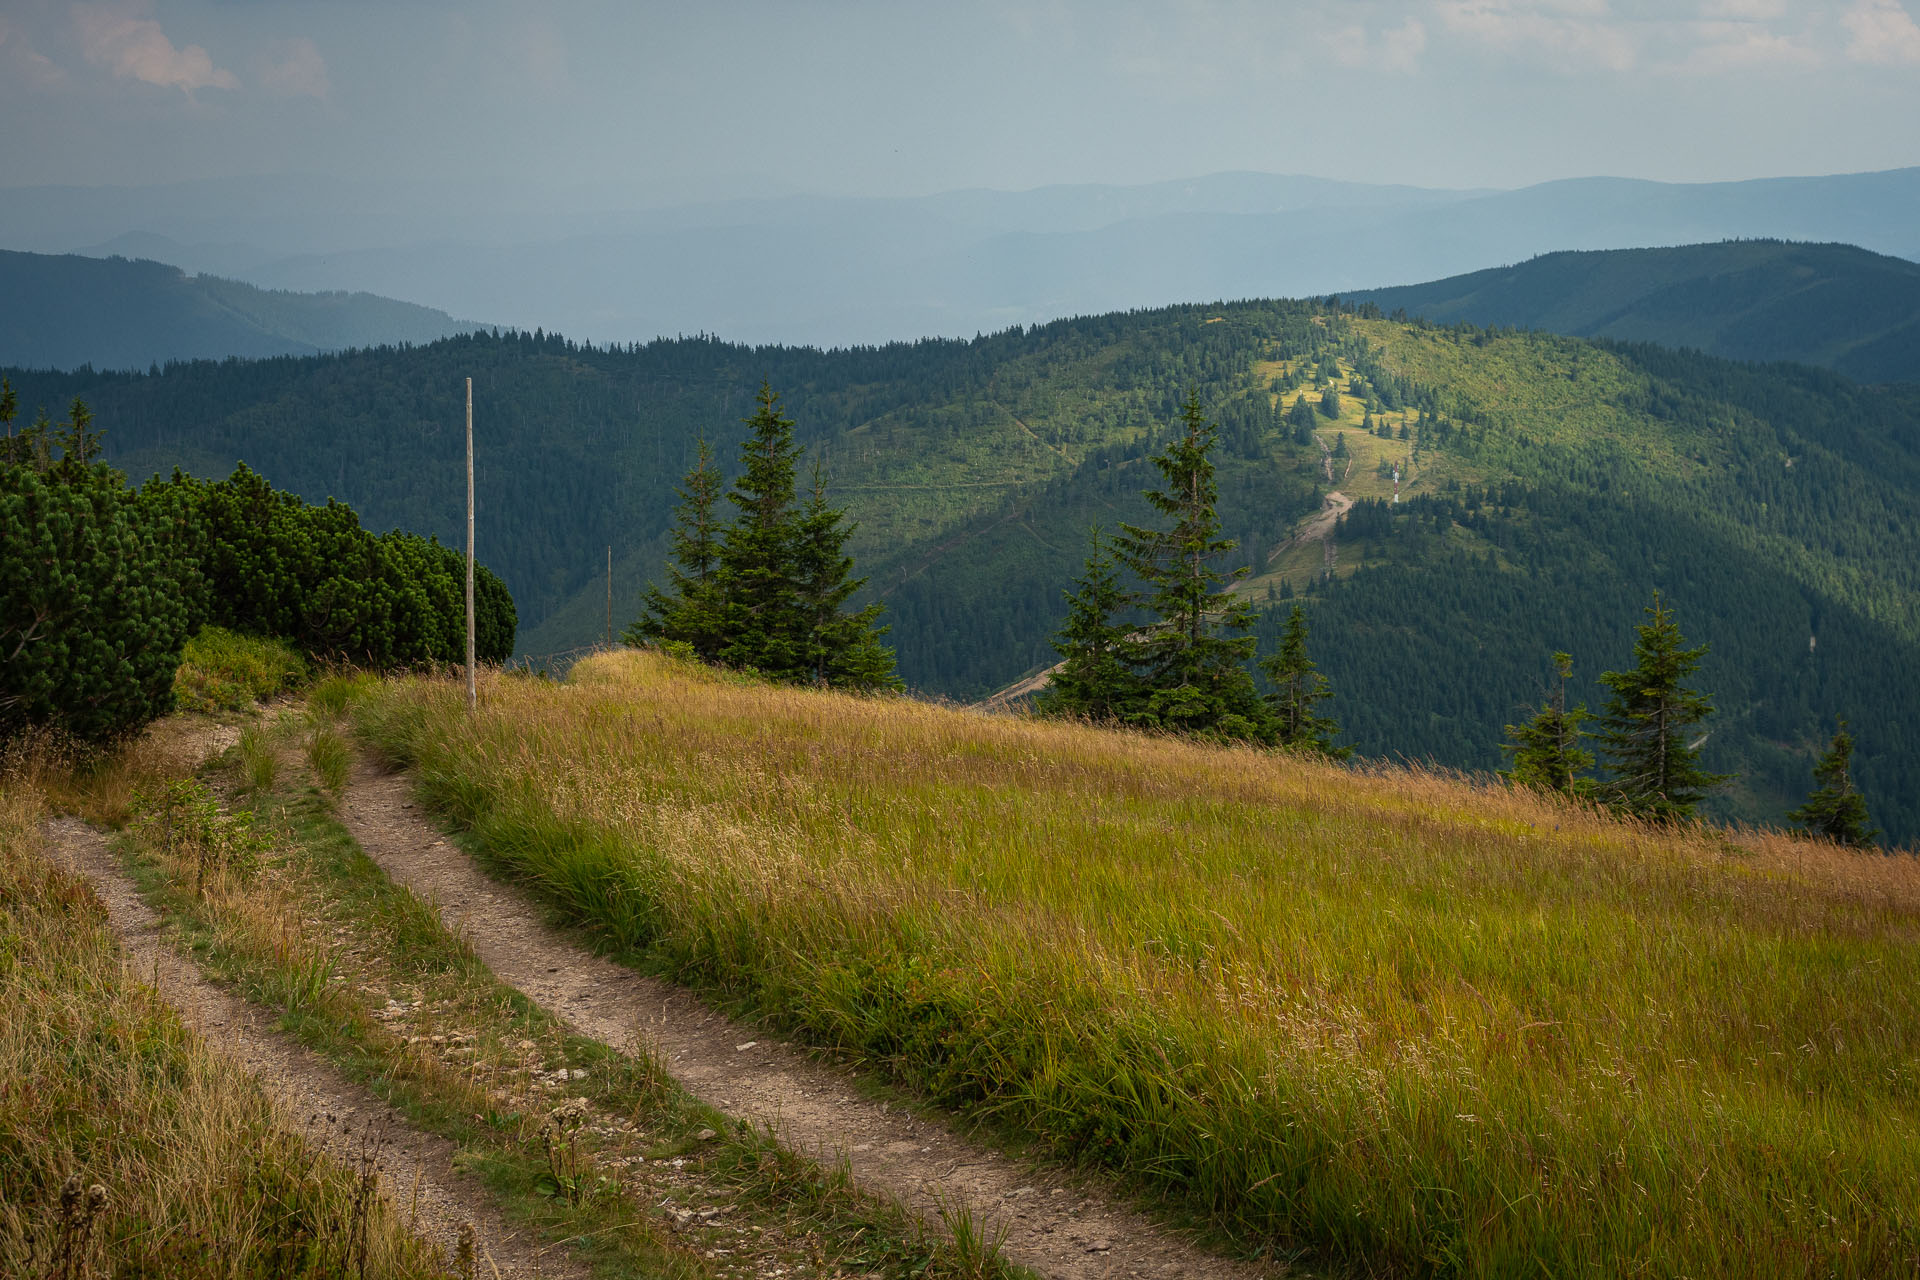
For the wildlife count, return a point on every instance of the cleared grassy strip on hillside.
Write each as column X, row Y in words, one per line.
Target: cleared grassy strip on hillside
column 100, row 1082
column 1387, row 1018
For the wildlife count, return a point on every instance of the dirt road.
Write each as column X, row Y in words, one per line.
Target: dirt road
column 1056, row 1226
column 416, row 1170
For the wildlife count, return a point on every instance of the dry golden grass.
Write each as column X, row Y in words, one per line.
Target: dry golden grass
column 96, row 784
column 100, row 1080
column 1394, row 1017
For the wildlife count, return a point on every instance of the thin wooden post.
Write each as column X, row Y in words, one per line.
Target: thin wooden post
column 473, row 690
column 609, row 597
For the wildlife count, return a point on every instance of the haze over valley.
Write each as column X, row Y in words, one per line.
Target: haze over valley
column 826, row 271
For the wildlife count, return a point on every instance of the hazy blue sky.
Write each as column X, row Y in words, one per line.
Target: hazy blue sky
column 661, row 102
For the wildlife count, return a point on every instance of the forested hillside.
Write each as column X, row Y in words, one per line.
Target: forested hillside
column 1548, row 487
column 65, row 311
column 1832, row 305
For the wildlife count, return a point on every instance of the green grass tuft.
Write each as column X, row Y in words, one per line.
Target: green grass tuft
column 259, row 763
column 330, row 758
column 221, row 670
column 332, row 695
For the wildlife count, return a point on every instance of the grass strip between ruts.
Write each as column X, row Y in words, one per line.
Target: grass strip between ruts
column 333, row 940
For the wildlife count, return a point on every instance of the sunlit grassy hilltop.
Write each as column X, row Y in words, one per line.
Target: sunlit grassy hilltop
column 1377, row 1018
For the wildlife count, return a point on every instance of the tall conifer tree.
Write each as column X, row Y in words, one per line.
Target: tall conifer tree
column 1193, row 659
column 767, row 590
column 766, row 629
column 690, row 610
column 843, row 649
column 1648, row 719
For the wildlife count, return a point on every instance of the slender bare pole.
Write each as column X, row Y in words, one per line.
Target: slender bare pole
column 473, row 692
column 609, row 597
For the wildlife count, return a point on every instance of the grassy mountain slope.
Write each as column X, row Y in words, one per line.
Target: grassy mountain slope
column 1550, row 486
column 65, row 311
column 1381, row 1022
column 1826, row 304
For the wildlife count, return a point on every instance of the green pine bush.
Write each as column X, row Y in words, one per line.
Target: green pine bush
column 91, row 618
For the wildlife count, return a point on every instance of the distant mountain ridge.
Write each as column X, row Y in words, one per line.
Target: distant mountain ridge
column 833, row 271
column 66, row 311
column 1833, row 305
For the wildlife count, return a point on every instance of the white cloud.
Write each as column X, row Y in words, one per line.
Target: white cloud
column 1400, row 48
column 136, row 49
column 1733, row 46
column 1397, row 49
column 1882, row 33
column 24, row 64
column 1744, row 10
column 1572, row 34
column 296, row 70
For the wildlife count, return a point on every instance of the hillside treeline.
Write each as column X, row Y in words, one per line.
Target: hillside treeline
column 1773, row 506
column 102, row 585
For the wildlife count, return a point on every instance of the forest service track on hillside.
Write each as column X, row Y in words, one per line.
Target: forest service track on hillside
column 1318, row 527
column 1055, row 1226
column 347, row 1122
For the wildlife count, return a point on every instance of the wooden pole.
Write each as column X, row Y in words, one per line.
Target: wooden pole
column 473, row 691
column 609, row 597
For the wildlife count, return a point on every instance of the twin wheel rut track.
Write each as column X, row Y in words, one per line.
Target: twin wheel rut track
column 1053, row 1225
column 342, row 1118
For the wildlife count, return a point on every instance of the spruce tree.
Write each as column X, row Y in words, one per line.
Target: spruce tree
column 1193, row 658
column 1302, row 419
column 1096, row 680
column 766, row 590
column 690, row 610
column 1298, row 687
column 765, row 627
column 1647, row 721
column 842, row 649
column 1836, row 810
column 1546, row 750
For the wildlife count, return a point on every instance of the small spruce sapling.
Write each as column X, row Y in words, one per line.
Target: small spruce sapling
column 1836, row 810
column 1298, row 689
column 1546, row 750
column 1096, row 680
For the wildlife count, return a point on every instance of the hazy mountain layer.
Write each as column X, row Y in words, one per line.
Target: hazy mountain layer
column 66, row 311
column 829, row 271
column 1827, row 304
